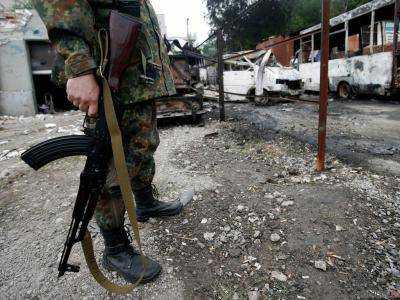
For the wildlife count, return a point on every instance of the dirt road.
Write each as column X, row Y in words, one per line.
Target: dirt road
column 262, row 223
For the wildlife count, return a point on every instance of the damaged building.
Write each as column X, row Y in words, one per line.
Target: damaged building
column 22, row 37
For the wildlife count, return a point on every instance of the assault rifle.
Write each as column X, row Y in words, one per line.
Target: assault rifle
column 95, row 144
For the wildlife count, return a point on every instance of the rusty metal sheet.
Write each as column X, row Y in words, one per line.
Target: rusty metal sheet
column 179, row 106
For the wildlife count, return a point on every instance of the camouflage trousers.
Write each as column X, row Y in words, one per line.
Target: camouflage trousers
column 141, row 139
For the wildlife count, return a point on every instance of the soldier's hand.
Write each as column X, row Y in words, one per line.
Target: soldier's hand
column 84, row 93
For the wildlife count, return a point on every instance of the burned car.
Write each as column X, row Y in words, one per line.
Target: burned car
column 185, row 69
column 259, row 77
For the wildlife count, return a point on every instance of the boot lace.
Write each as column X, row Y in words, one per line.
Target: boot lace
column 156, row 193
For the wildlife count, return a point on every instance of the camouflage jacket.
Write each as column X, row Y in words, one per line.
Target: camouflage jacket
column 73, row 26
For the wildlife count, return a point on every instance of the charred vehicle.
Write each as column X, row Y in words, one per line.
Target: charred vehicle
column 186, row 73
column 363, row 54
column 260, row 74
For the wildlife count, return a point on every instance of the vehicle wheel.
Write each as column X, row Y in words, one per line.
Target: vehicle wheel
column 344, row 91
column 251, row 96
column 266, row 100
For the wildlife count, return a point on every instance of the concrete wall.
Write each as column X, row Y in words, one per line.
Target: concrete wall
column 17, row 93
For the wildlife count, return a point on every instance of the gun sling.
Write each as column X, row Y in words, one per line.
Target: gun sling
column 123, row 178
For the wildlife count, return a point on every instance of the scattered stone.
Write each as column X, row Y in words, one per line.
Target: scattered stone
column 222, row 238
column 249, row 259
column 276, row 275
column 227, row 228
column 287, row 203
column 253, row 219
column 209, row 236
column 295, row 180
column 201, row 245
column 59, row 220
column 50, row 125
column 275, row 238
column 153, row 221
column 65, row 204
column 281, row 257
column 269, row 196
column 4, row 174
column 395, row 272
column 257, row 234
column 254, row 295
column 211, row 135
column 235, row 252
column 321, row 265
column 204, row 221
column 339, row 228
column 240, row 208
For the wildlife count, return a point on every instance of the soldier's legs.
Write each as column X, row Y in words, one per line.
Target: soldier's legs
column 139, row 130
column 141, row 139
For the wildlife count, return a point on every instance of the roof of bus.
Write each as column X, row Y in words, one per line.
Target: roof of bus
column 359, row 11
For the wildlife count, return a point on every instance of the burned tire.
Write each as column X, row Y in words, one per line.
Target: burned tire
column 259, row 101
column 251, row 96
column 344, row 91
column 265, row 100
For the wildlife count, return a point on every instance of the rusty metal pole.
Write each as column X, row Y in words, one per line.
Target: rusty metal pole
column 395, row 68
column 324, row 86
column 220, row 46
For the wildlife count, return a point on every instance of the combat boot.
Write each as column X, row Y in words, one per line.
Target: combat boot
column 121, row 257
column 147, row 206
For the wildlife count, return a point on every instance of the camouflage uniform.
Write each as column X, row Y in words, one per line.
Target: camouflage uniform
column 72, row 27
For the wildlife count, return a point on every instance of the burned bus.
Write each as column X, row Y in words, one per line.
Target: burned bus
column 363, row 56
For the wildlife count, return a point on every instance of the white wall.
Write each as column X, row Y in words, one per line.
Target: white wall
column 17, row 93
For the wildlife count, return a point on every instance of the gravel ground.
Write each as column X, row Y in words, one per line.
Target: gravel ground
column 262, row 222
column 364, row 133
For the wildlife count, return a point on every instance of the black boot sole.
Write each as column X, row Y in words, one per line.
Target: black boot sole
column 143, row 218
column 110, row 268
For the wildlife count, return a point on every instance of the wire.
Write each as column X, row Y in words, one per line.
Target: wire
column 241, row 15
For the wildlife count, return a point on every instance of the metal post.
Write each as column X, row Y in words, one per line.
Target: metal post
column 371, row 33
column 220, row 45
column 346, row 42
column 301, row 51
column 395, row 70
column 312, row 47
column 324, row 86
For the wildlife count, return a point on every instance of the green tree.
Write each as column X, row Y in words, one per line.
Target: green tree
column 244, row 30
column 267, row 18
column 209, row 48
